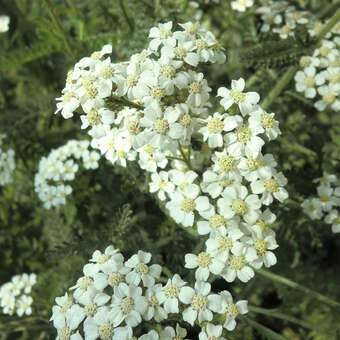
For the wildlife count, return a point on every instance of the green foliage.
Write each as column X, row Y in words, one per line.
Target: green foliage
column 112, row 205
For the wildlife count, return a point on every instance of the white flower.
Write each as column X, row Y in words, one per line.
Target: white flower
column 271, row 187
column 161, row 35
column 155, row 300
column 223, row 242
column 306, row 81
column 313, row 208
column 241, row 5
column 68, row 324
column 160, row 183
column 231, row 310
column 328, row 201
column 333, row 218
column 127, row 305
column 198, row 89
column 211, row 332
column 152, row 335
column 4, row 23
column 182, row 206
column 267, row 122
column 206, row 264
column 235, row 201
column 201, row 304
column 170, row 334
column 141, row 271
column 330, row 97
column 24, row 305
column 215, row 126
column 262, row 243
column 226, row 164
column 171, row 293
column 245, row 101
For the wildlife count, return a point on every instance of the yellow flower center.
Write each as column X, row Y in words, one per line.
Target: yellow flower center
column 309, row 81
column 107, row 72
column 239, row 207
column 115, row 279
column 93, row 117
column 91, row 309
column 260, row 247
column 204, row 260
column 164, row 34
column 201, row 44
column 225, row 243
column 126, row 305
column 243, row 134
column 188, row 205
column 142, row 268
column 237, row 262
column 131, row 80
column 217, row 221
column 237, row 96
column 267, row 121
column 305, row 61
column 180, row 52
column 232, row 310
column 105, row 331
column 153, row 301
column 199, row 303
column 171, row 291
column 195, row 87
column 271, row 185
column 161, row 126
column 185, row 120
column 168, row 70
column 328, row 98
column 157, row 92
column 215, row 125
column 227, row 163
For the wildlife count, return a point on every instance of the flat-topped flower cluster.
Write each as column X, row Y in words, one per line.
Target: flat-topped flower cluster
column 60, row 167
column 15, row 295
column 207, row 166
column 7, row 163
column 319, row 78
column 118, row 299
column 326, row 205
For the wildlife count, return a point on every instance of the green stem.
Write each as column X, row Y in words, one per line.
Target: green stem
column 327, row 10
column 278, row 315
column 297, row 286
column 59, row 27
column 329, row 25
column 127, row 15
column 185, row 160
column 287, row 77
column 263, row 329
column 185, row 6
column 279, row 86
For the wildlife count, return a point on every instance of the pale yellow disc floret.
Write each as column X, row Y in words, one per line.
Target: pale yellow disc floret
column 217, row 221
column 161, row 126
column 168, row 70
column 142, row 268
column 215, row 125
column 105, row 331
column 199, row 303
column 239, row 207
column 185, row 120
column 115, row 279
column 260, row 247
column 171, row 291
column 153, row 301
column 188, row 205
column 126, row 305
column 267, row 121
column 225, row 243
column 237, row 96
column 271, row 185
column 328, row 98
column 243, row 134
column 232, row 310
column 237, row 262
column 204, row 260
column 195, row 87
column 227, row 163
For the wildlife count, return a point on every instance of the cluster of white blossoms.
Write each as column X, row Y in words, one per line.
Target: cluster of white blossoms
column 7, row 163
column 326, row 205
column 14, row 295
column 61, row 166
column 117, row 298
column 241, row 5
column 319, row 78
column 281, row 17
column 4, row 23
column 154, row 109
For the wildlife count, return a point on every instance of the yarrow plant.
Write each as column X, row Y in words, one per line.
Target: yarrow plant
column 326, row 206
column 60, row 167
column 7, row 163
column 115, row 298
column 152, row 109
column 15, row 295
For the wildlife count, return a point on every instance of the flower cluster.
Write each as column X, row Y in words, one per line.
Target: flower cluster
column 115, row 297
column 154, row 109
column 319, row 78
column 326, row 205
column 281, row 17
column 4, row 23
column 241, row 5
column 7, row 163
column 60, row 166
column 14, row 295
